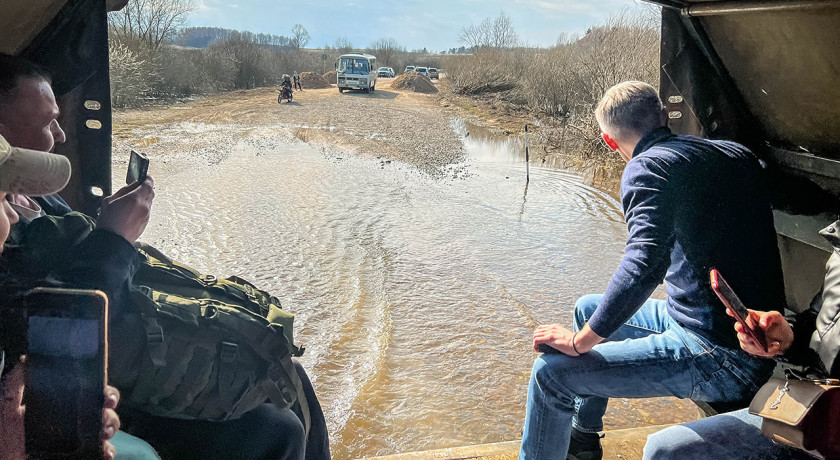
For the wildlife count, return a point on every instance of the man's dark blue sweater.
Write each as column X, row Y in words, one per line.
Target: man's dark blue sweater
column 691, row 205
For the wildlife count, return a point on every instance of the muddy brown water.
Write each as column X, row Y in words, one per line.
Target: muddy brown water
column 416, row 294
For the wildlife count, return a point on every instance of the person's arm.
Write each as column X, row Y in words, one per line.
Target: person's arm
column 107, row 259
column 649, row 211
column 76, row 250
column 649, row 214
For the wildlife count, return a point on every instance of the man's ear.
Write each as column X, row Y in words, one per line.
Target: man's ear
column 610, row 141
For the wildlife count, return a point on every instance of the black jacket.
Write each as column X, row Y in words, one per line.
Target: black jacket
column 65, row 247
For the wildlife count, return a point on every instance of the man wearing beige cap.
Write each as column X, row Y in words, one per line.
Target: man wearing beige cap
column 34, row 173
column 105, row 259
column 27, row 172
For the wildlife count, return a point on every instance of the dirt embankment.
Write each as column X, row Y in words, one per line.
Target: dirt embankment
column 312, row 80
column 395, row 125
column 414, row 81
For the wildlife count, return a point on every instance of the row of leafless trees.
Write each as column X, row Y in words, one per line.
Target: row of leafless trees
column 147, row 64
column 566, row 81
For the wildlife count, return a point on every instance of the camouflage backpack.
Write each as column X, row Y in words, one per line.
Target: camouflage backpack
column 202, row 347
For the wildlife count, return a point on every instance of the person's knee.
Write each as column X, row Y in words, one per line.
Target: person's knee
column 585, row 307
column 666, row 444
column 549, row 377
column 279, row 432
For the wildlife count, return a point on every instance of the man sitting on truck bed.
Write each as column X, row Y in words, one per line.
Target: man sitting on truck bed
column 28, row 119
column 691, row 205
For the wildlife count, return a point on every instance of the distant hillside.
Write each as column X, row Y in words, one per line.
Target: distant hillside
column 202, row 37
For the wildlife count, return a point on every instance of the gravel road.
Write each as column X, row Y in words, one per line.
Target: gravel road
column 394, row 125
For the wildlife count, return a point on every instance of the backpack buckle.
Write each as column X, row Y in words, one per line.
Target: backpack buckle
column 208, row 280
column 154, row 333
column 229, row 352
column 154, row 342
column 249, row 291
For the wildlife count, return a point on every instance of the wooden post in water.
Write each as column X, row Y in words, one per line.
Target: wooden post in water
column 527, row 158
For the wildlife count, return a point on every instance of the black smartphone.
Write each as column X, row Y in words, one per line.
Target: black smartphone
column 66, row 356
column 138, row 167
column 734, row 304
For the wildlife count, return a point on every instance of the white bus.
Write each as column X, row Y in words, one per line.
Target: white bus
column 356, row 71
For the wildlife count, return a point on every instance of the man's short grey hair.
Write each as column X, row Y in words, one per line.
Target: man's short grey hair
column 631, row 107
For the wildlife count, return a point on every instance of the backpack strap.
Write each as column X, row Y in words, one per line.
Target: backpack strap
column 285, row 370
column 147, row 308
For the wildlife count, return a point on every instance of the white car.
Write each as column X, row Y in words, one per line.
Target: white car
column 423, row 70
column 385, row 72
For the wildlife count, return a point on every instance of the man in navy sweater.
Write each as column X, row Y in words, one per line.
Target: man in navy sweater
column 691, row 205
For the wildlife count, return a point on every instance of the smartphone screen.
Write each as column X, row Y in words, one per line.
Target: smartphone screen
column 138, row 167
column 733, row 303
column 65, row 373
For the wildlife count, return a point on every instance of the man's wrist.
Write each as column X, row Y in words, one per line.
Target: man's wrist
column 574, row 347
column 585, row 339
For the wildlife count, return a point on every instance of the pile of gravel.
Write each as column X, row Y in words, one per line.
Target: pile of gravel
column 414, row 81
column 331, row 77
column 311, row 80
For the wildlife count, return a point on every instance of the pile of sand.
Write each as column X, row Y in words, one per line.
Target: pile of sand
column 330, row 77
column 311, row 80
column 414, row 81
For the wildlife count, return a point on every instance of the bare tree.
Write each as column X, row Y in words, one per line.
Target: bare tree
column 472, row 36
column 385, row 49
column 342, row 44
column 495, row 32
column 150, row 21
column 502, row 33
column 300, row 37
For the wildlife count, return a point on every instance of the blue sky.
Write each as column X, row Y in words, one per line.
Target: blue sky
column 433, row 24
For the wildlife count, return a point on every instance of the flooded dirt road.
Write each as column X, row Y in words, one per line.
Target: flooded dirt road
column 417, row 275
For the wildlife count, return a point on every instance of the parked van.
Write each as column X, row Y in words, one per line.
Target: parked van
column 356, row 71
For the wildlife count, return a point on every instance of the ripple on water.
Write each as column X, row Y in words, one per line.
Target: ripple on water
column 414, row 295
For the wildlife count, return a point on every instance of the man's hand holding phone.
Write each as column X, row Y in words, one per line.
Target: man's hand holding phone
column 764, row 334
column 127, row 211
column 777, row 332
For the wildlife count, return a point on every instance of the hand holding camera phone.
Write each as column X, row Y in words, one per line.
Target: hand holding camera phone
column 66, row 333
column 737, row 308
column 138, row 167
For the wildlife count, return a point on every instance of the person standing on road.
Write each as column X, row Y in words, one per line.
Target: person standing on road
column 297, row 81
column 690, row 205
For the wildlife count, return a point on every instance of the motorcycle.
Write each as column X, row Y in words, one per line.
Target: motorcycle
column 285, row 93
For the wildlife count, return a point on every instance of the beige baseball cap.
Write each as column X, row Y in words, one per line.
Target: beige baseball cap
column 30, row 172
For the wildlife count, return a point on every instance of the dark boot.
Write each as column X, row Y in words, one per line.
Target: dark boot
column 585, row 446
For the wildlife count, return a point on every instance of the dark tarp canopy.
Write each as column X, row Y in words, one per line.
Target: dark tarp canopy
column 767, row 74
column 70, row 39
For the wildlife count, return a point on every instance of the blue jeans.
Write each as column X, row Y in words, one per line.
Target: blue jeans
column 733, row 436
column 651, row 355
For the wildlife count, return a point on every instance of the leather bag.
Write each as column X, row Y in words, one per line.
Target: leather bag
column 804, row 414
